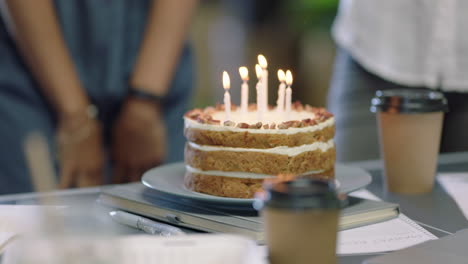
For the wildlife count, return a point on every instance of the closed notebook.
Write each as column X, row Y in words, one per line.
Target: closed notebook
column 138, row 199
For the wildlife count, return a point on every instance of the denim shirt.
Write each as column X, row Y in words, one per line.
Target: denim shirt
column 103, row 38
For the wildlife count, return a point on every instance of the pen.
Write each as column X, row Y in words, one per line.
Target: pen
column 145, row 224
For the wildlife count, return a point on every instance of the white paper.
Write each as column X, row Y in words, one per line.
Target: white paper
column 365, row 194
column 456, row 185
column 387, row 236
column 142, row 249
column 13, row 219
column 17, row 219
column 207, row 249
column 5, row 238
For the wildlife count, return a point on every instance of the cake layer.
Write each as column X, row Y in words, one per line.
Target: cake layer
column 258, row 162
column 243, row 175
column 244, row 138
column 222, row 186
column 232, row 187
column 281, row 150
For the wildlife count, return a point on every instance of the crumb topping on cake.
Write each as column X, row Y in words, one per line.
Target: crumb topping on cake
column 300, row 117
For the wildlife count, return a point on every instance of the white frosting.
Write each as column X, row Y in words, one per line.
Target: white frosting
column 281, row 150
column 271, row 117
column 235, row 174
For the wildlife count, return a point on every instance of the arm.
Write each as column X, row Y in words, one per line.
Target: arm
column 168, row 22
column 140, row 127
column 36, row 32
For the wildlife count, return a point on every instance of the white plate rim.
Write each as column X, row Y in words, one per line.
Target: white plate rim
column 182, row 192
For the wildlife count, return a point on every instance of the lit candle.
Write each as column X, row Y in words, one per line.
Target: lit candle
column 244, row 73
column 281, row 88
column 259, row 87
column 289, row 81
column 227, row 96
column 263, row 63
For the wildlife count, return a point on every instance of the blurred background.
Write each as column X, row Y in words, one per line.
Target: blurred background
column 227, row 34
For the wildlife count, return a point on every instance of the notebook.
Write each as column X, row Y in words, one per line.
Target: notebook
column 449, row 249
column 138, row 199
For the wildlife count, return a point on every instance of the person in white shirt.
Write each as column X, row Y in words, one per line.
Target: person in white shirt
column 418, row 44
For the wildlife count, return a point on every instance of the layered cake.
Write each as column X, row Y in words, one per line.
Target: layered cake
column 232, row 158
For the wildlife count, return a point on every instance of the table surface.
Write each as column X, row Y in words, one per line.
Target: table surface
column 436, row 211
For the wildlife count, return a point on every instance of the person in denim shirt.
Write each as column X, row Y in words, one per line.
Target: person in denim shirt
column 60, row 61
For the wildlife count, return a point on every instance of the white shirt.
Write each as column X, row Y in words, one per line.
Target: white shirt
column 409, row 42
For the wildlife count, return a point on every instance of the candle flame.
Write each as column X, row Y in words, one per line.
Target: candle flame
column 262, row 61
column 258, row 71
column 244, row 73
column 281, row 75
column 289, row 78
column 226, row 81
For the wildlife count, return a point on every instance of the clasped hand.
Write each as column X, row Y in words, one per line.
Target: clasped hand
column 138, row 143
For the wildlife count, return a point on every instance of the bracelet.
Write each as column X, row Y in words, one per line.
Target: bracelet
column 141, row 94
column 92, row 111
column 80, row 130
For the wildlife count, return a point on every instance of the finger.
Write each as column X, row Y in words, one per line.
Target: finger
column 155, row 160
column 134, row 174
column 90, row 178
column 126, row 174
column 144, row 169
column 137, row 174
column 137, row 166
column 118, row 174
column 66, row 176
column 87, row 180
column 150, row 165
column 81, row 180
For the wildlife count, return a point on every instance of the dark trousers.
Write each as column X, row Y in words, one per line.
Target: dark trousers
column 351, row 91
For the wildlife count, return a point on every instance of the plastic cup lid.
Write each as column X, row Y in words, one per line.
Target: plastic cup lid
column 409, row 101
column 302, row 193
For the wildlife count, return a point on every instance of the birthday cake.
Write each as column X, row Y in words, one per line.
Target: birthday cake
column 231, row 151
column 232, row 158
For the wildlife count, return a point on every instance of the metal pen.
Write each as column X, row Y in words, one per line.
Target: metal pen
column 147, row 225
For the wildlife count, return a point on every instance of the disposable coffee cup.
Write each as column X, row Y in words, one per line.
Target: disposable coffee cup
column 300, row 221
column 410, row 127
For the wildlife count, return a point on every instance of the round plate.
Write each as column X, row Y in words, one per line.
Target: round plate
column 169, row 179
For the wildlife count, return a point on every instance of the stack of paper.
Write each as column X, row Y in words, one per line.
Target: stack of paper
column 390, row 235
column 456, row 185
